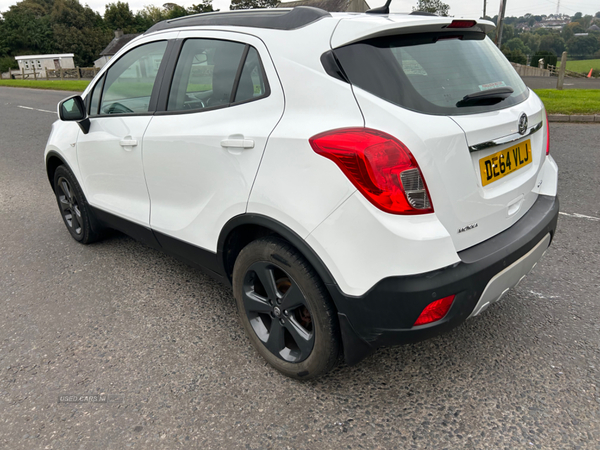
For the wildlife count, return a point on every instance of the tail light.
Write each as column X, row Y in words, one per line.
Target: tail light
column 547, row 134
column 379, row 165
column 435, row 311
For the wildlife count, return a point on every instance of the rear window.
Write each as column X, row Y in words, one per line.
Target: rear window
column 432, row 72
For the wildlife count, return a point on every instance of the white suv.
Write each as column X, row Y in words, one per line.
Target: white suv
column 359, row 179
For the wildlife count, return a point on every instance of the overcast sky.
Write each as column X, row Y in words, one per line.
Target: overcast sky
column 457, row 7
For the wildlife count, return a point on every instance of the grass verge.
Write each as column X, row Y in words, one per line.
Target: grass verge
column 64, row 85
column 570, row 101
column 582, row 66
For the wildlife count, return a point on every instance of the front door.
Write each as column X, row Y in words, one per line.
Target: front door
column 110, row 155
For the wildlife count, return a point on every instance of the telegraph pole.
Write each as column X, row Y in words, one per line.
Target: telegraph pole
column 500, row 22
column 484, row 5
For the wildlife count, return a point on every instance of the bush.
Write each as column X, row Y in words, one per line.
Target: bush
column 8, row 62
column 549, row 58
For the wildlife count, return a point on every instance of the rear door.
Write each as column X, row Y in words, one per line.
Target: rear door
column 455, row 101
column 203, row 147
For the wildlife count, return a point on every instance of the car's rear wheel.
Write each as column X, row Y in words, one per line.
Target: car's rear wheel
column 285, row 309
column 73, row 207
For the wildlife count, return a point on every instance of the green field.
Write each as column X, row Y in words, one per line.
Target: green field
column 65, row 85
column 582, row 66
column 570, row 101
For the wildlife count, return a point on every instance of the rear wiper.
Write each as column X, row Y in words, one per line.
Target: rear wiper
column 489, row 97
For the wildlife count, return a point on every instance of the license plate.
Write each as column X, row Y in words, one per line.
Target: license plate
column 500, row 164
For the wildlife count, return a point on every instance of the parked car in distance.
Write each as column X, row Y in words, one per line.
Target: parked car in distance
column 359, row 180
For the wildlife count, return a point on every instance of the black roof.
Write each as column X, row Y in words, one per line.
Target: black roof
column 117, row 44
column 276, row 19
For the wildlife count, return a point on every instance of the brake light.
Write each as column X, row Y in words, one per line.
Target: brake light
column 547, row 134
column 379, row 165
column 435, row 311
column 462, row 24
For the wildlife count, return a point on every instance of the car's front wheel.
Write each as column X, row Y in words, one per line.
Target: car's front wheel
column 285, row 309
column 73, row 207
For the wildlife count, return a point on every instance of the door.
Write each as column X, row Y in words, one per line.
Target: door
column 110, row 155
column 202, row 153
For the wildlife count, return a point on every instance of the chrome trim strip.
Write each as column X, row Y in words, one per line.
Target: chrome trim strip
column 506, row 139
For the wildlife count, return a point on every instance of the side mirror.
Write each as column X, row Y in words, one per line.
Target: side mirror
column 72, row 109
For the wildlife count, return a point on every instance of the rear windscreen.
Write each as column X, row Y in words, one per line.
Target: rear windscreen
column 432, row 72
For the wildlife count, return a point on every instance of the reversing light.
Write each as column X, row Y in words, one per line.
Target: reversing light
column 435, row 311
column 379, row 165
column 462, row 24
column 547, row 134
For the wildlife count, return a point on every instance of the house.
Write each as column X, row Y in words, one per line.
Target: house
column 113, row 47
column 39, row 63
column 330, row 5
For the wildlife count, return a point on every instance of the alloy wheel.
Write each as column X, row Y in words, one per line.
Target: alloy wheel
column 278, row 312
column 69, row 206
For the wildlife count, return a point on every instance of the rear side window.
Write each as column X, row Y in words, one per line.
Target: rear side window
column 212, row 73
column 432, row 72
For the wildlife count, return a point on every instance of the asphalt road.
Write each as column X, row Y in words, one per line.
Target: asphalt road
column 164, row 343
column 569, row 83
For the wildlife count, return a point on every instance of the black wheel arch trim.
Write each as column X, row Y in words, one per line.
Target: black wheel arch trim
column 55, row 154
column 276, row 227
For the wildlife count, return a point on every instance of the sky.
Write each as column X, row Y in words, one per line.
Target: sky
column 458, row 8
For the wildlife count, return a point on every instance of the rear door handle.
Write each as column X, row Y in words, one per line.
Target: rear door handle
column 237, row 143
column 128, row 142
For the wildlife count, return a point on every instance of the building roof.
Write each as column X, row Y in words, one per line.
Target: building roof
column 49, row 56
column 117, row 44
column 330, row 5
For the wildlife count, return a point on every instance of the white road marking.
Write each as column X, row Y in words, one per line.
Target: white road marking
column 35, row 109
column 540, row 295
column 580, row 216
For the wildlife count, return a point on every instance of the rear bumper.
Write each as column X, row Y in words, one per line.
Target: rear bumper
column 385, row 314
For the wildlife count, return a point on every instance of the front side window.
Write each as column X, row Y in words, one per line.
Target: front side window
column 206, row 74
column 129, row 82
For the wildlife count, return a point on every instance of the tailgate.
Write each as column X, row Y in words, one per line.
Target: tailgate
column 456, row 102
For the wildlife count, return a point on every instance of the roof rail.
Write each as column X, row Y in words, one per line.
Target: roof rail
column 275, row 19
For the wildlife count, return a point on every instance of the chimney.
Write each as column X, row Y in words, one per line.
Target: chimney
column 118, row 34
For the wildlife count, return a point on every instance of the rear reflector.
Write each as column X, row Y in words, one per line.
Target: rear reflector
column 435, row 311
column 547, row 134
column 379, row 165
column 462, row 24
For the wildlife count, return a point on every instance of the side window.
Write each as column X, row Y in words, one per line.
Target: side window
column 206, row 73
column 95, row 96
column 129, row 82
column 252, row 82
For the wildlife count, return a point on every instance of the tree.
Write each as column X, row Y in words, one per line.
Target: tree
column 203, row 7
column 517, row 44
column 515, row 56
column 531, row 40
column 173, row 11
column 433, row 6
column 569, row 30
column 253, row 4
column 552, row 42
column 118, row 16
column 582, row 46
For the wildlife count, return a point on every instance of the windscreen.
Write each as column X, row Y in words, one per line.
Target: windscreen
column 433, row 72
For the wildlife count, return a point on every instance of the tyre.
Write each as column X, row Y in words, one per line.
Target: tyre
column 285, row 309
column 73, row 207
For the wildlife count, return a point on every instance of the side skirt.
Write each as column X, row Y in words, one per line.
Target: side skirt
column 197, row 257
